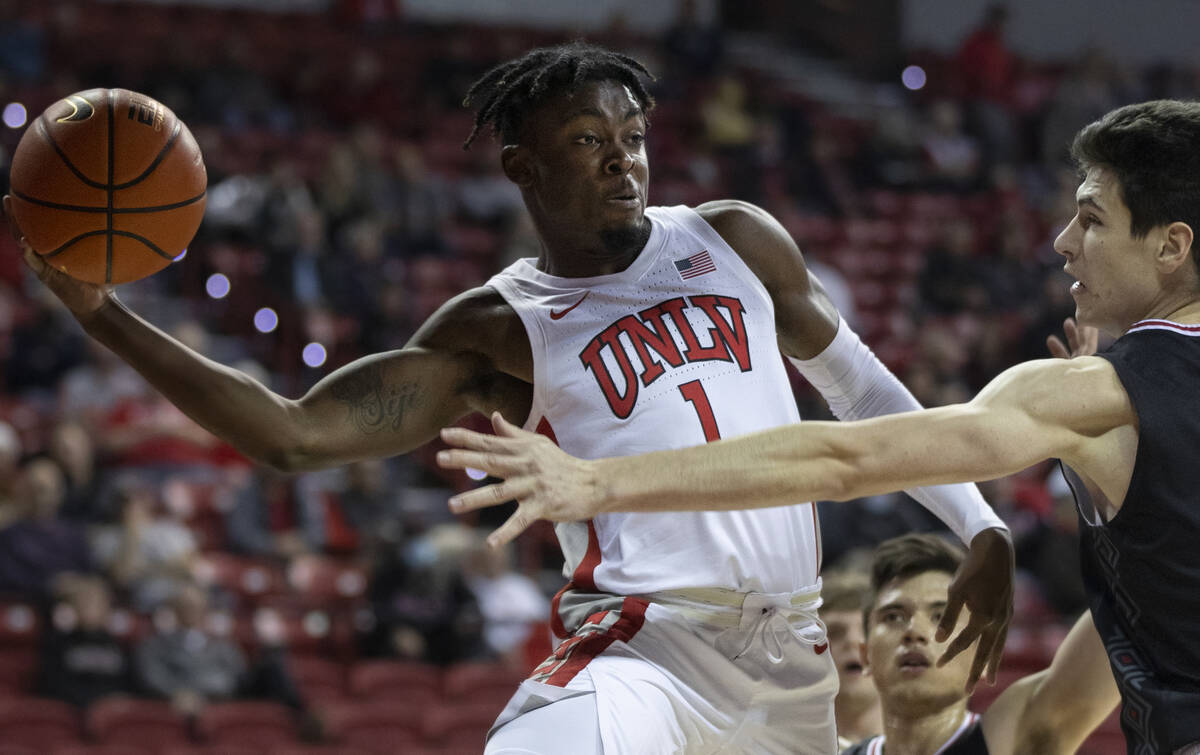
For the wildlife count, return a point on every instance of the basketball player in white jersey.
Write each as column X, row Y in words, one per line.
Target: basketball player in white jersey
column 1124, row 423
column 636, row 329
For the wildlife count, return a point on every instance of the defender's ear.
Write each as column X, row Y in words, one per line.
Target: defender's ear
column 1176, row 249
column 517, row 164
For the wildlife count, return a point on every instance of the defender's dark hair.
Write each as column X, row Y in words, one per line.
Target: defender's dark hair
column 843, row 590
column 1151, row 148
column 508, row 92
column 907, row 556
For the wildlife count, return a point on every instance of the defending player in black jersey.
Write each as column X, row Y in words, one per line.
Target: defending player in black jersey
column 924, row 706
column 1127, row 422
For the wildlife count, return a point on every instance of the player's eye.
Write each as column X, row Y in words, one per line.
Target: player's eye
column 637, row 138
column 588, row 139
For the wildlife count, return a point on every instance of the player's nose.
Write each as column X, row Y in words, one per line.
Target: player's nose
column 618, row 161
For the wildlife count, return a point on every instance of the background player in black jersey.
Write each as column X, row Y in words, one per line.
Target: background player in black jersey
column 856, row 707
column 1126, row 421
column 925, row 709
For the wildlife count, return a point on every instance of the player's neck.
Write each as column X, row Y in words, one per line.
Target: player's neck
column 1187, row 313
column 604, row 254
column 921, row 734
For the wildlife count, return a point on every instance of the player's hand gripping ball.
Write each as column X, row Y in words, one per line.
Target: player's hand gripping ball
column 108, row 186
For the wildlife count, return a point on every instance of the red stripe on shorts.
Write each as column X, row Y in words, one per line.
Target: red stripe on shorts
column 578, row 651
column 583, row 578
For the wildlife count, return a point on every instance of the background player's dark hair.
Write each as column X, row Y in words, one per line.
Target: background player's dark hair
column 1151, row 148
column 843, row 590
column 506, row 94
column 907, row 556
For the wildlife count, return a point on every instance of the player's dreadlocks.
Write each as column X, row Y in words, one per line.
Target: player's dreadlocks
column 510, row 90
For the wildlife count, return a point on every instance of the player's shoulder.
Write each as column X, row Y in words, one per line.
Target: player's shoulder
column 478, row 319
column 1083, row 394
column 734, row 213
column 760, row 240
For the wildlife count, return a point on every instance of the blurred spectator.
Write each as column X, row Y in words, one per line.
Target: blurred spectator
column 952, row 279
column 358, row 511
column 40, row 554
column 423, row 609
column 185, row 662
column 146, row 552
column 81, row 660
column 10, row 456
column 483, row 194
column 91, row 390
column 952, row 157
column 987, row 67
column 856, row 707
column 694, row 48
column 71, row 446
column 22, row 42
column 49, row 343
column 277, row 515
column 418, row 205
column 511, row 604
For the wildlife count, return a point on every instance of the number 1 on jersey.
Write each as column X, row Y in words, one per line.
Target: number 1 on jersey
column 693, row 391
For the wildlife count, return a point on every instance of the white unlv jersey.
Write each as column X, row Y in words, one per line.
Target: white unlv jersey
column 677, row 349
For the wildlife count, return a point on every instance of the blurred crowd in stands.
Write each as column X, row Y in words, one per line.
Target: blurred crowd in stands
column 145, row 557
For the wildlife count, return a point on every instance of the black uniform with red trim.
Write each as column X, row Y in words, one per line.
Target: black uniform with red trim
column 1142, row 567
column 968, row 740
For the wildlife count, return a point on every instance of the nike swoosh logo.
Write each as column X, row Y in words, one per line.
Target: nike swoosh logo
column 81, row 109
column 559, row 315
column 821, row 648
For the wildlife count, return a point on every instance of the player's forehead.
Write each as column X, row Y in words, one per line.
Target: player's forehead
column 604, row 99
column 1100, row 190
column 921, row 590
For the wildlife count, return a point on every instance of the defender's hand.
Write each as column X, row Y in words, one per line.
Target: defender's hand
column 82, row 298
column 546, row 482
column 984, row 584
column 1082, row 340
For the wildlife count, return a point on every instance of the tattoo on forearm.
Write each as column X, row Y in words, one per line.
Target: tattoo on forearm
column 373, row 405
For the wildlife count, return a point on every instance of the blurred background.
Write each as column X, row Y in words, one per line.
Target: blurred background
column 161, row 594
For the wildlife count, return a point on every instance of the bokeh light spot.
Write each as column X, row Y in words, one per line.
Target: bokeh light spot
column 313, row 355
column 913, row 77
column 217, row 286
column 15, row 115
column 180, row 256
column 475, row 474
column 265, row 320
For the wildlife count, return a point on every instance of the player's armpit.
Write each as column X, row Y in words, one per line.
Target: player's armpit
column 1054, row 710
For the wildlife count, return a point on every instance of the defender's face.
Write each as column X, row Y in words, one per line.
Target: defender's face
column 589, row 169
column 845, row 633
column 1117, row 281
column 901, row 653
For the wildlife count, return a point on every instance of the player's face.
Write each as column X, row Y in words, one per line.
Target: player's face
column 845, row 633
column 1117, row 282
column 588, row 169
column 901, row 653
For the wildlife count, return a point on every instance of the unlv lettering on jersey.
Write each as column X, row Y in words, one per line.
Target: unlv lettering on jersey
column 648, row 336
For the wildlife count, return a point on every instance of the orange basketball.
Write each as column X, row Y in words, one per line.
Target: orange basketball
column 108, row 185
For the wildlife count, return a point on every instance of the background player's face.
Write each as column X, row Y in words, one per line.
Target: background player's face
column 1117, row 280
column 900, row 651
column 586, row 170
column 845, row 633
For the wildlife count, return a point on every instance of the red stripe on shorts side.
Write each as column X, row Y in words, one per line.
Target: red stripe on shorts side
column 579, row 654
column 582, row 578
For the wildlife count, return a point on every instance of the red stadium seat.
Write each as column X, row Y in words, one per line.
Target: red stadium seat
column 36, row 722
column 394, row 678
column 123, row 721
column 258, row 725
column 318, row 678
column 213, row 750
column 103, row 750
column 333, row 750
column 18, row 669
column 367, row 724
column 9, row 749
column 472, row 681
column 20, row 625
column 464, row 725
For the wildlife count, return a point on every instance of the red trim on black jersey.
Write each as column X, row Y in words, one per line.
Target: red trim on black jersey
column 1191, row 330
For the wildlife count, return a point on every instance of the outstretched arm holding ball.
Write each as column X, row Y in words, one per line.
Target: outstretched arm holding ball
column 378, row 406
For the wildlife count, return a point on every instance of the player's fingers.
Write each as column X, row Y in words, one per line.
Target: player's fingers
column 965, row 638
column 461, row 437
column 983, row 654
column 507, row 532
column 1072, row 332
column 491, row 495
column 954, row 605
column 1057, row 348
column 496, row 465
column 1091, row 339
column 505, row 428
column 997, row 654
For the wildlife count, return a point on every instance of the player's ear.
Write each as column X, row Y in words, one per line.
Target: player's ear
column 517, row 164
column 1176, row 249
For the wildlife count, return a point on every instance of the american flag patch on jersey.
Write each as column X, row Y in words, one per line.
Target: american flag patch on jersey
column 698, row 264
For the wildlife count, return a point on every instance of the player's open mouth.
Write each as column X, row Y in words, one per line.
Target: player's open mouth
column 914, row 662
column 852, row 668
column 626, row 200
